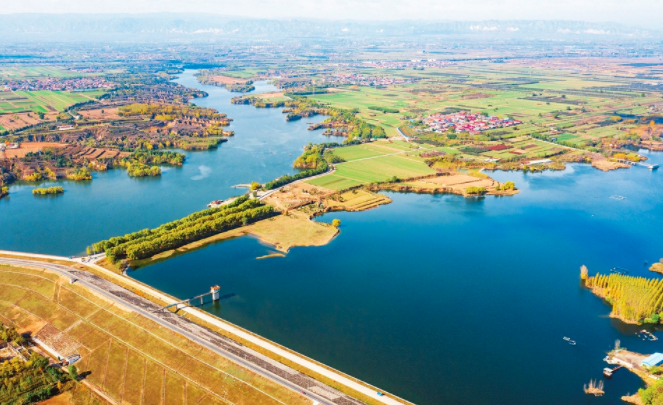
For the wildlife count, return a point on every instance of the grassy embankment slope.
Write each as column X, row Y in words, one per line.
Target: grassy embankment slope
column 131, row 358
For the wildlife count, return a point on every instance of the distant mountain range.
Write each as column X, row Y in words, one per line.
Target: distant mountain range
column 171, row 26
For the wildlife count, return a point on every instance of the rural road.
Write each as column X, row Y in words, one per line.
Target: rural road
column 72, row 273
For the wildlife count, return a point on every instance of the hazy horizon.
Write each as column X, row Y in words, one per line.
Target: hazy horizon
column 639, row 13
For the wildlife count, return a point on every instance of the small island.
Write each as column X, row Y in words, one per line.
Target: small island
column 657, row 267
column 47, row 191
column 634, row 300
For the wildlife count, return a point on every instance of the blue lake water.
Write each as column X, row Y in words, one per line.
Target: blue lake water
column 442, row 299
column 438, row 299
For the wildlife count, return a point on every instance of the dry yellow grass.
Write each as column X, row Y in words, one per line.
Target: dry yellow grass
column 174, row 394
column 606, row 165
column 295, row 229
column 295, row 195
column 133, row 379
column 153, row 391
column 114, row 381
column 455, row 183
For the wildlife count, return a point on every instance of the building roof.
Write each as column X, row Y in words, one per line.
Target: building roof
column 653, row 360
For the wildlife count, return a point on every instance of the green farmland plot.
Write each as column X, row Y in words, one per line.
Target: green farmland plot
column 350, row 153
column 40, row 101
column 334, row 182
column 372, row 170
column 566, row 137
column 32, row 72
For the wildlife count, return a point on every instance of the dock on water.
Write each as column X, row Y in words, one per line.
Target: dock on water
column 650, row 166
column 618, row 270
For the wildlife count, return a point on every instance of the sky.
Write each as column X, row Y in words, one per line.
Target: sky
column 645, row 13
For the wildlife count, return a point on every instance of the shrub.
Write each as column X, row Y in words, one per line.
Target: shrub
column 475, row 190
column 50, row 190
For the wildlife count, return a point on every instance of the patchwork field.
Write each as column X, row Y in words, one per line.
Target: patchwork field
column 132, row 359
column 31, row 72
column 380, row 163
column 43, row 101
column 20, row 120
column 357, row 200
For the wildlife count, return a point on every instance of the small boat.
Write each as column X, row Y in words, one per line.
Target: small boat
column 607, row 372
column 566, row 338
column 572, row 342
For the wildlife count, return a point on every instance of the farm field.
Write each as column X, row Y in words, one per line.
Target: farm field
column 370, row 170
column 43, row 101
column 132, row 359
column 31, row 72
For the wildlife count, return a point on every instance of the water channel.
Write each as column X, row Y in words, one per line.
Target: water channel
column 438, row 299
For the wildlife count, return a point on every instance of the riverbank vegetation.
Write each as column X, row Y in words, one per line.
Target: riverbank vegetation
column 341, row 122
column 80, row 174
column 199, row 225
column 4, row 190
column 633, row 299
column 652, row 395
column 311, row 158
column 137, row 169
column 156, row 158
column 223, row 78
column 49, row 190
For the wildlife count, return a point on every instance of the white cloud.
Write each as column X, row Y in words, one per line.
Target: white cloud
column 564, row 31
column 513, row 29
column 596, row 32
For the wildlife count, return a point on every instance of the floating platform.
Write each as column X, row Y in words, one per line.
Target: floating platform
column 618, row 270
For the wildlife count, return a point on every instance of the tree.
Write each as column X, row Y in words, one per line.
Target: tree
column 37, row 361
column 255, row 185
column 88, row 251
column 336, row 223
column 73, row 373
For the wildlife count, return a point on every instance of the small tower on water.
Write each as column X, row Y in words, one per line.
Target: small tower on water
column 215, row 292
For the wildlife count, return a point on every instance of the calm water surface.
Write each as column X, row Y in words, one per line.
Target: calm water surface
column 447, row 300
column 438, row 299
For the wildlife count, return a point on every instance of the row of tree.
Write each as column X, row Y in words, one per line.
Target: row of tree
column 635, row 299
column 148, row 242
